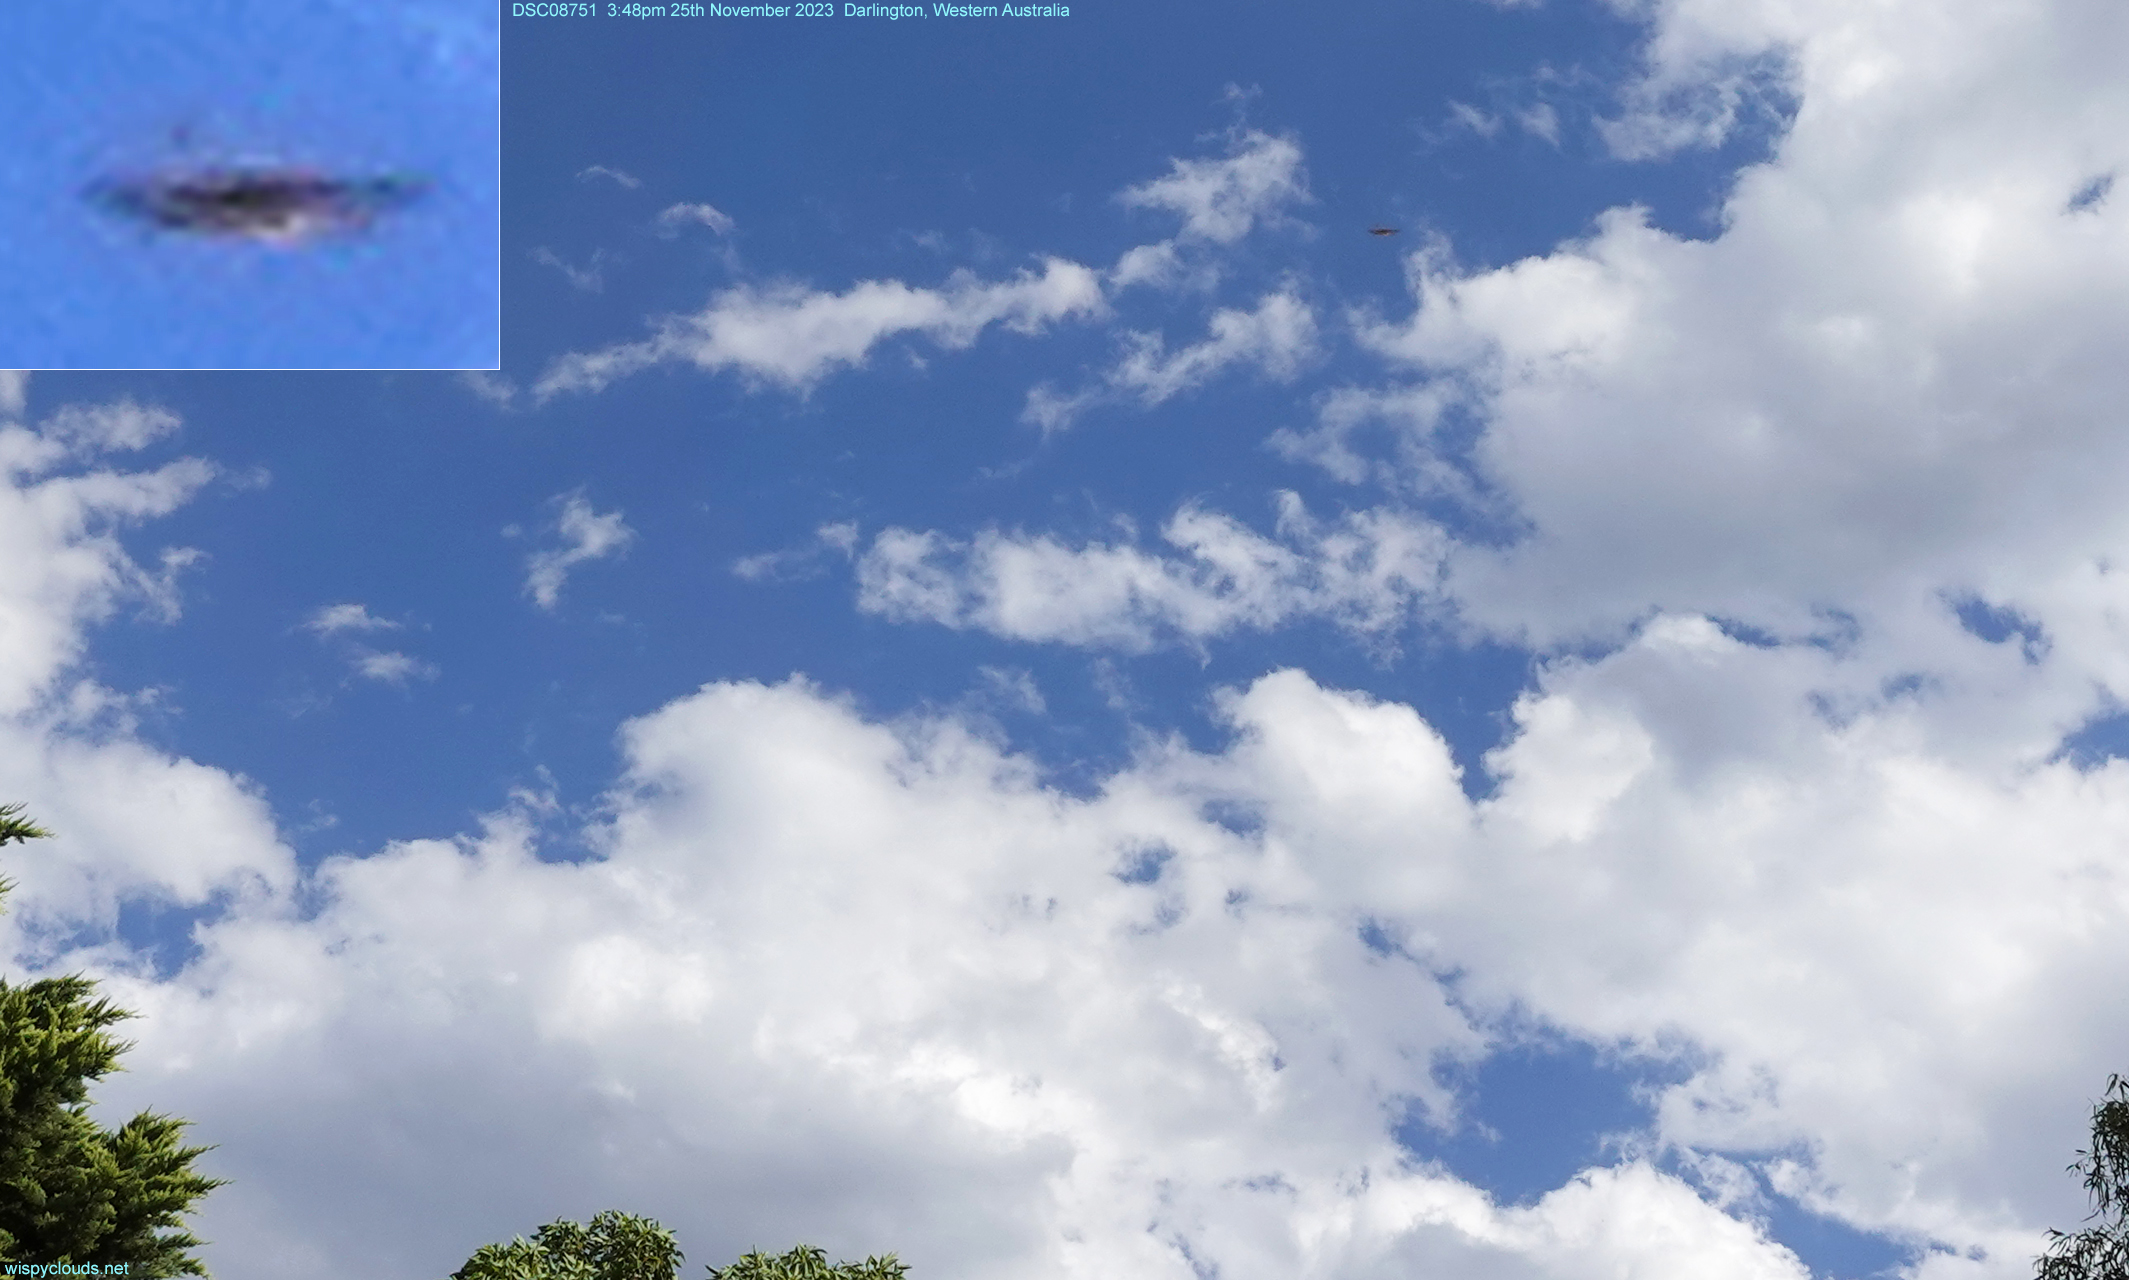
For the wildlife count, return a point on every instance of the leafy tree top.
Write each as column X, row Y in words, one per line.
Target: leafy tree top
column 2101, row 1252
column 808, row 1263
column 614, row 1246
column 620, row 1246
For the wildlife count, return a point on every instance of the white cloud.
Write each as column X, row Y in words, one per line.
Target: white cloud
column 333, row 618
column 824, row 1018
column 1158, row 264
column 676, row 216
column 384, row 667
column 817, row 975
column 590, row 278
column 1013, row 689
column 493, row 388
column 794, row 336
column 1278, row 338
column 876, row 985
column 1483, row 123
column 1221, row 200
column 1886, row 383
column 586, row 536
column 1366, row 572
column 121, row 426
column 391, row 667
column 14, row 391
column 698, row 1023
column 62, row 566
column 807, row 560
column 1541, row 120
column 624, row 179
column 131, row 821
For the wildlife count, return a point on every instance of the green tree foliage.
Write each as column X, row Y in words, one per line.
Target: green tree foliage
column 616, row 1246
column 808, row 1263
column 619, row 1246
column 71, row 1190
column 2101, row 1252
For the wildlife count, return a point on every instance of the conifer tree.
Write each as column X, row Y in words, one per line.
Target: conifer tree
column 71, row 1190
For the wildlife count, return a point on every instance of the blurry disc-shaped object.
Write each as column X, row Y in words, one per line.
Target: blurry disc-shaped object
column 277, row 204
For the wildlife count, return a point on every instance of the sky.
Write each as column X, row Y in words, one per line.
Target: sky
column 993, row 677
column 404, row 92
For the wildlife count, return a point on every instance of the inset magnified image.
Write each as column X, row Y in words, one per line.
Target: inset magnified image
column 285, row 205
column 207, row 184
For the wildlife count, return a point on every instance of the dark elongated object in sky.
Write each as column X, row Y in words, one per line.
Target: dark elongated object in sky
column 279, row 204
column 1382, row 231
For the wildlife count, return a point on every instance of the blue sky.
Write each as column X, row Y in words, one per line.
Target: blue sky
column 993, row 677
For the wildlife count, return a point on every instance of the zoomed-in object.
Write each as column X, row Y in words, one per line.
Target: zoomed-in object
column 281, row 205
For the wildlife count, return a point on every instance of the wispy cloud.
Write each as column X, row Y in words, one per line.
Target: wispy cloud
column 491, row 387
column 1222, row 199
column 352, row 619
column 590, row 278
column 680, row 215
column 1277, row 338
column 1366, row 572
column 391, row 668
column 805, row 560
column 627, row 180
column 793, row 336
column 335, row 618
column 586, row 536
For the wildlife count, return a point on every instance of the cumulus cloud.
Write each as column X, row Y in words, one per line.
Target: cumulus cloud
column 586, row 536
column 132, row 822
column 793, row 336
column 750, row 988
column 1881, row 955
column 1367, row 572
column 1795, row 828
column 1887, row 382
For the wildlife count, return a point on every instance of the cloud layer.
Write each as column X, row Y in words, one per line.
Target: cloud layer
column 1814, row 530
